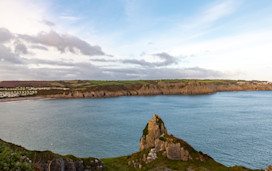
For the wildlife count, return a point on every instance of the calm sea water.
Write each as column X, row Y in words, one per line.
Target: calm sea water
column 232, row 127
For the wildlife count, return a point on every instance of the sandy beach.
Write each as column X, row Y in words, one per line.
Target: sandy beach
column 21, row 99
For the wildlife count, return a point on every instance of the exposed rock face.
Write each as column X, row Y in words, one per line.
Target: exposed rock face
column 190, row 88
column 60, row 164
column 184, row 154
column 152, row 155
column 159, row 145
column 269, row 168
column 173, row 151
column 154, row 129
column 156, row 139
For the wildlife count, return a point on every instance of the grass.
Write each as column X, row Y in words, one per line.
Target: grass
column 145, row 131
column 13, row 157
column 121, row 163
column 88, row 84
column 85, row 84
column 56, row 84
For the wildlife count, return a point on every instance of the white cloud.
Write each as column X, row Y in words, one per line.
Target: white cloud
column 69, row 18
column 218, row 11
column 33, row 43
column 23, row 16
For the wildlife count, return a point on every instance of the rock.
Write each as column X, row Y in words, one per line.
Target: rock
column 57, row 164
column 159, row 145
column 164, row 154
column 60, row 164
column 173, row 151
column 144, row 158
column 79, row 165
column 135, row 165
column 269, row 168
column 22, row 158
column 184, row 154
column 69, row 165
column 152, row 155
column 37, row 167
column 190, row 168
column 156, row 139
column 153, row 130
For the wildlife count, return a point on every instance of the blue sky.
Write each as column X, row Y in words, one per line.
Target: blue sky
column 135, row 39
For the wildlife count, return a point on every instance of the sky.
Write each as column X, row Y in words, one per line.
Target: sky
column 135, row 39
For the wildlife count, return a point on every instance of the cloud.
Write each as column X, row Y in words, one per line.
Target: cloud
column 70, row 18
column 168, row 73
column 20, row 48
column 6, row 55
column 63, row 42
column 13, row 67
column 213, row 13
column 5, row 35
column 48, row 23
column 167, row 60
column 218, row 11
column 39, row 47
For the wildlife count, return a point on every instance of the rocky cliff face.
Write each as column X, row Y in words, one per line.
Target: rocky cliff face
column 190, row 88
column 64, row 164
column 156, row 139
column 269, row 168
column 153, row 130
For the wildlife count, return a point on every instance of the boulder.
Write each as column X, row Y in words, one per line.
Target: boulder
column 173, row 151
column 152, row 155
column 184, row 154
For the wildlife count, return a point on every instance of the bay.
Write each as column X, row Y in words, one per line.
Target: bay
column 232, row 127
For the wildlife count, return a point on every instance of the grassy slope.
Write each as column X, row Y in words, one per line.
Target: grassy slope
column 14, row 157
column 121, row 163
column 81, row 84
column 11, row 159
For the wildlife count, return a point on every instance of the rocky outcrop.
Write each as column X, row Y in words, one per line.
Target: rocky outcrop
column 173, row 151
column 269, row 168
column 156, row 139
column 153, row 130
column 63, row 164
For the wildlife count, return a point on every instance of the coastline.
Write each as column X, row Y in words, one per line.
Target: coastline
column 79, row 95
column 101, row 89
column 22, row 99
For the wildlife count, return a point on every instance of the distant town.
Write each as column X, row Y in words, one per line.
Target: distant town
column 24, row 91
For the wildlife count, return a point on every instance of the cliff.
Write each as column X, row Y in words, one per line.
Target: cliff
column 155, row 87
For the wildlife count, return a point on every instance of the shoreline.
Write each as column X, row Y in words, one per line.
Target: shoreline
column 22, row 99
column 41, row 97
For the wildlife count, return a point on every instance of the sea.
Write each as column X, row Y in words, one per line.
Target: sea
column 234, row 128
